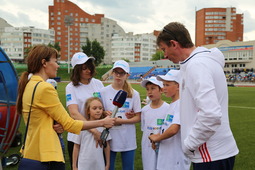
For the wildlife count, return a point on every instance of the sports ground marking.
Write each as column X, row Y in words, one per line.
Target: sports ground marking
column 242, row 107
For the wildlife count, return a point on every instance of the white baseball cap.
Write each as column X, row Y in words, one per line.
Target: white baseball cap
column 153, row 80
column 172, row 75
column 121, row 64
column 80, row 58
column 52, row 82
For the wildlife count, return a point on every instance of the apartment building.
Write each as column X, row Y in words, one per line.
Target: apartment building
column 216, row 24
column 15, row 40
column 135, row 48
column 66, row 18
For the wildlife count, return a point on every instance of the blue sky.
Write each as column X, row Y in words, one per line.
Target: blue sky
column 141, row 16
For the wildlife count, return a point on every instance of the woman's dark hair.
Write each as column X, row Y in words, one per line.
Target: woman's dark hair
column 34, row 65
column 76, row 72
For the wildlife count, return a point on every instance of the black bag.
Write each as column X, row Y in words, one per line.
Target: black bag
column 17, row 140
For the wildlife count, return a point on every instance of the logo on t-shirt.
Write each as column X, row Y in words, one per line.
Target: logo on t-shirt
column 97, row 94
column 126, row 105
column 68, row 97
column 160, row 122
column 169, row 118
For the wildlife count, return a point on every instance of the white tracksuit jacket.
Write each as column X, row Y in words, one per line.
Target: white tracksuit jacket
column 204, row 107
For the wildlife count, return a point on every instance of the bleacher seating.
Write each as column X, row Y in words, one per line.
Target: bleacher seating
column 136, row 72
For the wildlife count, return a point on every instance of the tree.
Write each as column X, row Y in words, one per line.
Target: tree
column 26, row 51
column 55, row 45
column 125, row 59
column 94, row 49
column 158, row 55
column 87, row 48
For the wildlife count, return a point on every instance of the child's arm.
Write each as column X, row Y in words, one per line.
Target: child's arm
column 76, row 150
column 107, row 156
column 171, row 131
column 135, row 119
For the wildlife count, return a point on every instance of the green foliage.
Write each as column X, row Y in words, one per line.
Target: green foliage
column 55, row 45
column 87, row 48
column 158, row 55
column 26, row 51
column 94, row 49
column 62, row 72
column 125, row 59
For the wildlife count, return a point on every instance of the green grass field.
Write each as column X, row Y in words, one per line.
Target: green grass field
column 242, row 121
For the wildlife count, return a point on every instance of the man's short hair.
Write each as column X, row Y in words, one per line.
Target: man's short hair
column 175, row 31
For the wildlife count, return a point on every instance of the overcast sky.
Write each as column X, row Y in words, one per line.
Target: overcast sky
column 138, row 16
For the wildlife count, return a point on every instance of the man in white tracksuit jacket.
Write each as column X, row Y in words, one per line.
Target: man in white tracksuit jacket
column 206, row 135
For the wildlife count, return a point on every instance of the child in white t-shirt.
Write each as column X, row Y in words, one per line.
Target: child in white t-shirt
column 85, row 153
column 170, row 155
column 152, row 118
column 124, row 132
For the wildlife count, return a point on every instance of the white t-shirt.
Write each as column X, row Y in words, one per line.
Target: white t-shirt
column 151, row 122
column 170, row 155
column 90, row 156
column 79, row 94
column 123, row 136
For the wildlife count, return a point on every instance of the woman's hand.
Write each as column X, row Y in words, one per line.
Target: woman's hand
column 118, row 121
column 130, row 115
column 58, row 127
column 109, row 122
column 97, row 138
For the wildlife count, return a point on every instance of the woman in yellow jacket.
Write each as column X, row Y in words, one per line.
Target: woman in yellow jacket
column 42, row 146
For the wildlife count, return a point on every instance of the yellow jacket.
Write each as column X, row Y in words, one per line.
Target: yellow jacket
column 42, row 142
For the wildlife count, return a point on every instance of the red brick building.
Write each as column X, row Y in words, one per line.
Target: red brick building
column 82, row 26
column 215, row 24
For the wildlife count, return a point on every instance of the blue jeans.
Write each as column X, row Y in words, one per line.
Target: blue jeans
column 127, row 159
column 60, row 136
